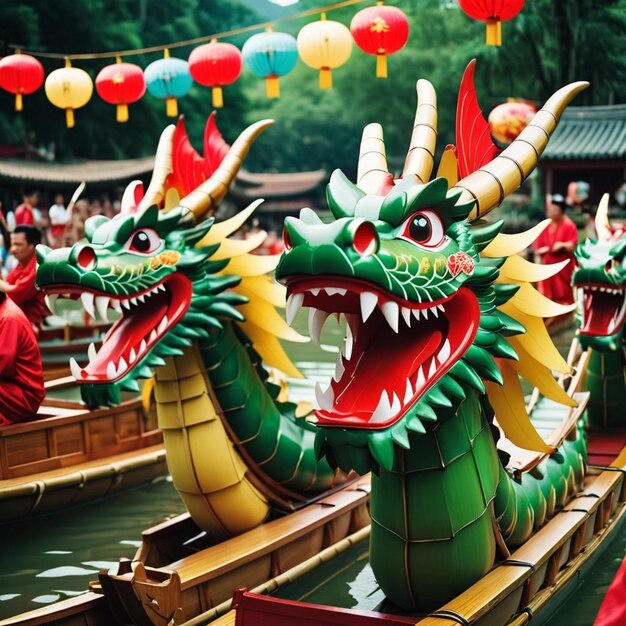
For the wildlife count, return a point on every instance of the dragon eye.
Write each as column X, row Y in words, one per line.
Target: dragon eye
column 424, row 228
column 143, row 241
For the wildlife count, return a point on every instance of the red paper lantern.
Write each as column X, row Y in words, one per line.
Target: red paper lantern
column 121, row 84
column 508, row 120
column 20, row 74
column 380, row 30
column 215, row 65
column 494, row 12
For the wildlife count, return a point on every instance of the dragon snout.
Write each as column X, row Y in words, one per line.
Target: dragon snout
column 358, row 234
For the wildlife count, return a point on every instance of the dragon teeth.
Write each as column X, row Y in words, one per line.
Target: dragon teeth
column 51, row 302
column 419, row 382
column 416, row 314
column 408, row 393
column 433, row 368
column 87, row 299
column 111, row 370
column 76, row 369
column 324, row 399
column 142, row 346
column 349, row 342
column 395, row 404
column 116, row 305
column 383, row 411
column 369, row 301
column 102, row 304
column 316, row 323
column 122, row 366
column 91, row 351
column 339, row 369
column 126, row 304
column 153, row 336
column 294, row 302
column 132, row 356
column 391, row 311
column 406, row 314
column 162, row 325
column 444, row 353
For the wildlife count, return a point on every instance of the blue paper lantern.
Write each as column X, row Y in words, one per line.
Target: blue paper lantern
column 270, row 55
column 168, row 79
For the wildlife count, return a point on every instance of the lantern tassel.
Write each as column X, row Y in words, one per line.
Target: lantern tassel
column 272, row 87
column 218, row 97
column 122, row 113
column 381, row 66
column 69, row 118
column 494, row 33
column 326, row 78
column 171, row 107
column 19, row 105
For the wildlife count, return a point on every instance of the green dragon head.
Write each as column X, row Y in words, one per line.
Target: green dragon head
column 428, row 317
column 160, row 264
column 600, row 281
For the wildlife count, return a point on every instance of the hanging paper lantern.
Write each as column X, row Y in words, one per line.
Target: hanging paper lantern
column 214, row 65
column 270, row 55
column 20, row 74
column 508, row 120
column 168, row 78
column 69, row 88
column 494, row 12
column 380, row 30
column 324, row 45
column 121, row 84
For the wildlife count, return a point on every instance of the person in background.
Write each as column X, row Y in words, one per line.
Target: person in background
column 58, row 217
column 24, row 214
column 21, row 372
column 20, row 282
column 555, row 244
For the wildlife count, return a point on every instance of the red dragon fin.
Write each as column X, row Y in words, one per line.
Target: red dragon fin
column 473, row 139
column 189, row 169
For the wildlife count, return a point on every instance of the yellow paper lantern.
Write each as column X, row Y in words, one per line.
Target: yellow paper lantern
column 325, row 45
column 69, row 88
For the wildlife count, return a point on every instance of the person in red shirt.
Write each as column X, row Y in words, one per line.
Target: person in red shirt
column 21, row 374
column 20, row 283
column 24, row 212
column 555, row 244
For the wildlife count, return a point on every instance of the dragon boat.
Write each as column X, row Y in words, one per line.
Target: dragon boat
column 478, row 514
column 71, row 454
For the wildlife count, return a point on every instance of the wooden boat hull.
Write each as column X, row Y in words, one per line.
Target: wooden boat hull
column 72, row 455
column 201, row 584
column 518, row 588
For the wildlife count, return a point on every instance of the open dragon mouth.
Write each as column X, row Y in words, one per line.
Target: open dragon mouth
column 395, row 350
column 604, row 308
column 146, row 317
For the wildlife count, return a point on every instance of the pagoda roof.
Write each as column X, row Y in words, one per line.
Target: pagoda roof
column 595, row 133
column 51, row 173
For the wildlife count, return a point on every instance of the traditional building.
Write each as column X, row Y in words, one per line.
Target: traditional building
column 588, row 144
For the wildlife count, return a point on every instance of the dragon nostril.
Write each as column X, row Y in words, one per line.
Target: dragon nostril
column 86, row 258
column 365, row 239
column 608, row 266
column 286, row 239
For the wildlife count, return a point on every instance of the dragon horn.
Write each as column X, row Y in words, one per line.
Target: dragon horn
column 420, row 157
column 162, row 168
column 372, row 171
column 603, row 227
column 211, row 191
column 497, row 179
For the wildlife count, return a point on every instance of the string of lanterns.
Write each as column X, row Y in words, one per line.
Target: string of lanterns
column 323, row 45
